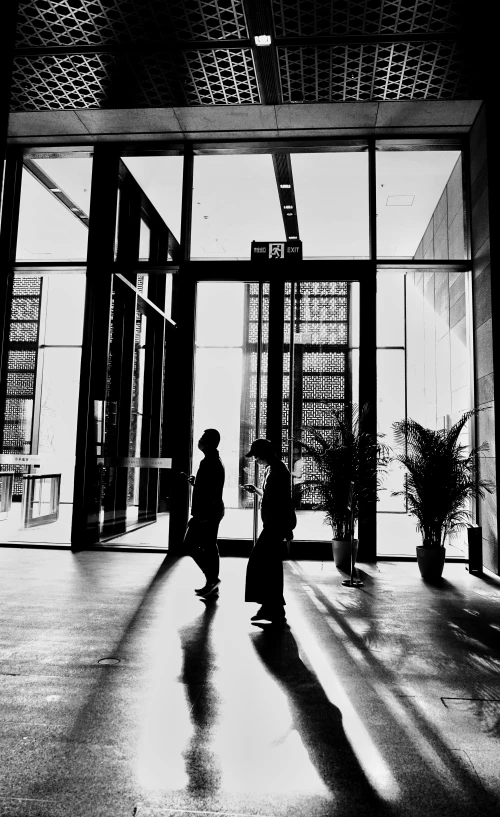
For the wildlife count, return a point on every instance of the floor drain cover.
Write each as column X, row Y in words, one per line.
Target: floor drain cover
column 108, row 661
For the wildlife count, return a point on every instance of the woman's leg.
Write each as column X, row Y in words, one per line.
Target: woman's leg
column 264, row 579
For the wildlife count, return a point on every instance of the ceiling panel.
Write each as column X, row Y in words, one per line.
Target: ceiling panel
column 94, row 22
column 224, row 76
column 153, row 53
column 110, row 80
column 372, row 71
column 313, row 18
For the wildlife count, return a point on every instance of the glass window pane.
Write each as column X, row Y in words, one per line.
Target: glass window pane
column 160, row 177
column 390, row 309
column 50, row 230
column 438, row 365
column 235, row 202
column 219, row 314
column 390, row 408
column 144, row 241
column 438, row 347
column 65, row 308
column 58, row 413
column 169, row 280
column 331, row 193
column 420, row 211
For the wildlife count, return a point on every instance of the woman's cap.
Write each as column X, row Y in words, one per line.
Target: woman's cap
column 260, row 448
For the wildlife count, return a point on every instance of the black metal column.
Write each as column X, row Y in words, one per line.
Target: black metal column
column 179, row 371
column 8, row 243
column 7, row 39
column 367, row 527
column 275, row 364
column 100, row 257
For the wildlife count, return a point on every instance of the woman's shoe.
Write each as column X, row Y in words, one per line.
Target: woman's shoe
column 261, row 615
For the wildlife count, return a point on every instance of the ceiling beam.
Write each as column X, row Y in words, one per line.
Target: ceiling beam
column 53, row 188
column 259, row 20
column 284, row 180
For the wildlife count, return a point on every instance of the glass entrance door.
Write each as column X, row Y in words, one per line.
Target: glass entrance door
column 129, row 420
column 268, row 361
column 320, row 378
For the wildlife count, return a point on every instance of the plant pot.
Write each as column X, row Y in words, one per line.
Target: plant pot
column 431, row 562
column 342, row 553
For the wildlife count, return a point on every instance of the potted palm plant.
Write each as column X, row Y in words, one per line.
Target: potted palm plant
column 348, row 464
column 441, row 477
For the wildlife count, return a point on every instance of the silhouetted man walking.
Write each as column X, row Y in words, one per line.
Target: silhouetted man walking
column 207, row 510
column 264, row 580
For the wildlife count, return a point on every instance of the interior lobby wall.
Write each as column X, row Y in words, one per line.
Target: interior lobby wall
column 483, row 331
column 438, row 361
column 444, row 236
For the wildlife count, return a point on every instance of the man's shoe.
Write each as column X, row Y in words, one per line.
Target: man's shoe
column 209, row 588
column 211, row 597
column 261, row 615
column 201, row 590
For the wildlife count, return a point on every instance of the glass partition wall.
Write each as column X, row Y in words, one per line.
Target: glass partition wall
column 378, row 311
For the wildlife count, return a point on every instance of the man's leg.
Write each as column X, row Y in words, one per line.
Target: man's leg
column 209, row 552
column 193, row 540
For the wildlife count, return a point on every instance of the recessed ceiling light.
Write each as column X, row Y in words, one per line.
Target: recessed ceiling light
column 293, row 236
column 290, row 214
column 285, row 186
column 399, row 201
column 263, row 39
column 55, row 189
column 288, row 207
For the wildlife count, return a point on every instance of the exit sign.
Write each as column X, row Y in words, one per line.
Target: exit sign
column 276, row 251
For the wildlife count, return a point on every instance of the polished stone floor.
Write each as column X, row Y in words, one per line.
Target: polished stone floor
column 124, row 694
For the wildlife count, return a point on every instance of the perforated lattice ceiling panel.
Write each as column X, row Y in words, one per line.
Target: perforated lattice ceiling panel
column 221, row 77
column 431, row 70
column 151, row 53
column 309, row 18
column 94, row 22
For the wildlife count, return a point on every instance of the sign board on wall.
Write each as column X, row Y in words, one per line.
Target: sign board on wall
column 22, row 459
column 135, row 462
column 276, row 251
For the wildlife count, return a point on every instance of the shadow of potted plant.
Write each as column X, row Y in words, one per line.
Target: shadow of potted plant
column 441, row 477
column 344, row 453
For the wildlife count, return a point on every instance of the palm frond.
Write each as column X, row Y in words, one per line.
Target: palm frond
column 441, row 476
column 346, row 453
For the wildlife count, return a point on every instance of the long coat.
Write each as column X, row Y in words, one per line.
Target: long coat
column 264, row 579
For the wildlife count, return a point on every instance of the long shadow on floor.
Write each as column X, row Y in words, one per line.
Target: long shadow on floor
column 319, row 724
column 468, row 797
column 201, row 762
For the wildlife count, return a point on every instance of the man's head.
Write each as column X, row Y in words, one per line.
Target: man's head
column 262, row 450
column 209, row 440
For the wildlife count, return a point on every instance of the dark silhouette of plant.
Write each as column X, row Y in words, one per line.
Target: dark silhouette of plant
column 347, row 452
column 440, row 477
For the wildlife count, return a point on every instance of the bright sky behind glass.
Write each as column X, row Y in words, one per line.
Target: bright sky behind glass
column 235, row 201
